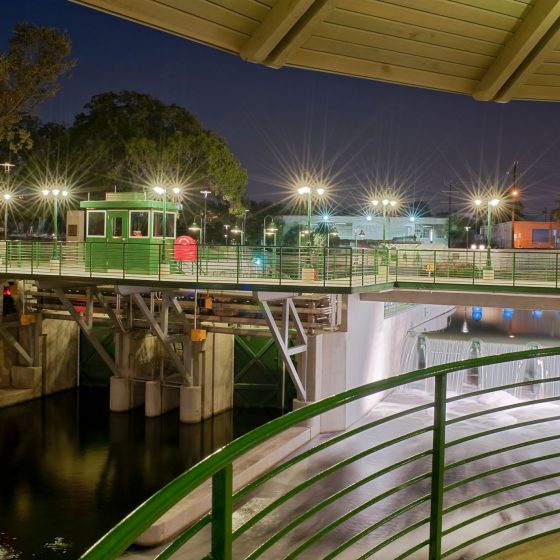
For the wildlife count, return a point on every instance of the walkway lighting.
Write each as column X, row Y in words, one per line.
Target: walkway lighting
column 492, row 203
column 386, row 202
column 163, row 192
column 55, row 195
column 205, row 193
column 270, row 230
column 235, row 230
column 309, row 192
column 7, row 197
column 194, row 227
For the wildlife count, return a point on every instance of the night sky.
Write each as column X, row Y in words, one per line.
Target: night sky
column 278, row 123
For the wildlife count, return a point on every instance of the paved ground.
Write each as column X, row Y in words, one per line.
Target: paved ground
column 374, row 462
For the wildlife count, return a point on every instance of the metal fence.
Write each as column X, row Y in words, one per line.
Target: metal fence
column 319, row 267
column 438, row 479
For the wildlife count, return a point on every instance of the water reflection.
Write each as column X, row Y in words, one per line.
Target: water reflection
column 69, row 469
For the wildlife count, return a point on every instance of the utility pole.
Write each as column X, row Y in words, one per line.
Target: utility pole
column 514, row 194
column 449, row 192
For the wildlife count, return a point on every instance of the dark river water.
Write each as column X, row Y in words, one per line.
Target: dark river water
column 70, row 469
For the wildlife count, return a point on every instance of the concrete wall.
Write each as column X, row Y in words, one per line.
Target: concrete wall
column 368, row 351
column 60, row 355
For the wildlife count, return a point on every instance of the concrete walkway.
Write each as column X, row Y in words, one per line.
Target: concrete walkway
column 398, row 401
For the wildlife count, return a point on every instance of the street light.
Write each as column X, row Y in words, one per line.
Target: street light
column 162, row 191
column 226, row 226
column 195, row 227
column 334, row 233
column 272, row 229
column 55, row 194
column 359, row 235
column 7, row 197
column 204, row 192
column 235, row 230
column 310, row 192
column 385, row 203
column 467, row 228
column 492, row 203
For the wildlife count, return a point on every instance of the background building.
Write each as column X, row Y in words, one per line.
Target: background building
column 526, row 235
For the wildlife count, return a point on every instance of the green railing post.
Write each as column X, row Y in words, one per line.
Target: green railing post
column 280, row 267
column 435, row 265
column 473, row 266
column 159, row 261
column 351, row 265
column 222, row 508
column 396, row 265
column 59, row 251
column 363, row 257
column 513, row 269
column 324, row 266
column 375, row 265
column 237, row 258
column 556, row 271
column 438, row 467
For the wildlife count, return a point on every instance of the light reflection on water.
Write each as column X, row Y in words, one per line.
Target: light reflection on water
column 70, row 469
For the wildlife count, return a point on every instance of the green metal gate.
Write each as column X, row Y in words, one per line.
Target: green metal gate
column 93, row 370
column 258, row 374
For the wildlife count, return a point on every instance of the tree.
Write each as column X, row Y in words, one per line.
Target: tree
column 29, row 72
column 140, row 141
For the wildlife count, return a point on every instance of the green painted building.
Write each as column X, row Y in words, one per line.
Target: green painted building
column 125, row 232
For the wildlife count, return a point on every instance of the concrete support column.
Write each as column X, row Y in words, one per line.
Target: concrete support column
column 28, row 377
column 190, row 408
column 160, row 398
column 314, row 424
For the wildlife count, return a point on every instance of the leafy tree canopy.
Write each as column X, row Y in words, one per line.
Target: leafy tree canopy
column 139, row 141
column 29, row 72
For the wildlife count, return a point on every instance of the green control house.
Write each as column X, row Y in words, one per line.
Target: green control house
column 124, row 232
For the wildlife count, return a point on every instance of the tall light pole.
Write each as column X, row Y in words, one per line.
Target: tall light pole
column 162, row 191
column 7, row 197
column 55, row 194
column 310, row 192
column 385, row 203
column 467, row 228
column 226, row 226
column 514, row 194
column 271, row 229
column 204, row 192
column 358, row 235
column 245, row 212
column 490, row 204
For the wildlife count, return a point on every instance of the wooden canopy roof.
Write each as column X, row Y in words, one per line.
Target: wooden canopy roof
column 490, row 49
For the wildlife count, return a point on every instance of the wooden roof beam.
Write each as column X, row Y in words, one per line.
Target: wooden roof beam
column 286, row 27
column 539, row 21
column 278, row 22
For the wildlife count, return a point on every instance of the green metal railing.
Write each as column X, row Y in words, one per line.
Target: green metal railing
column 325, row 268
column 430, row 476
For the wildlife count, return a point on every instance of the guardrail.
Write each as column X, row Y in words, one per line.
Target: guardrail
column 396, row 486
column 320, row 267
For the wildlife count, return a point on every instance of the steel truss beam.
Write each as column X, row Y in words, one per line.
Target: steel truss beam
column 289, row 311
column 160, row 330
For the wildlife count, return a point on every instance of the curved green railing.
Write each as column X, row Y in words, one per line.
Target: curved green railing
column 431, row 516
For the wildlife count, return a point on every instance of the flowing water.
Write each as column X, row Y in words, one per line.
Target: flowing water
column 70, row 469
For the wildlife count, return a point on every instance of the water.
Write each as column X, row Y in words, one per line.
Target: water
column 70, row 469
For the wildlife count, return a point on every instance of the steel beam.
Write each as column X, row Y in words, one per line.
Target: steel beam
column 88, row 331
column 159, row 332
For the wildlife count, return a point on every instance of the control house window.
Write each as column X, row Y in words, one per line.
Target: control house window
column 139, row 221
column 169, row 225
column 95, row 223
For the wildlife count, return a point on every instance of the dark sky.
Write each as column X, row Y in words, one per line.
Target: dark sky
column 279, row 123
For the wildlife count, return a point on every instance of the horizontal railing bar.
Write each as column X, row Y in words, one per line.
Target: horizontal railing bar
column 503, row 468
column 501, row 429
column 486, row 411
column 471, row 394
column 330, row 470
column 124, row 533
column 343, row 518
column 316, row 449
column 500, row 450
column 183, row 538
column 501, row 529
column 495, row 491
column 500, row 508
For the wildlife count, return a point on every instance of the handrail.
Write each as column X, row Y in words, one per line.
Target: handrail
column 218, row 465
column 334, row 269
